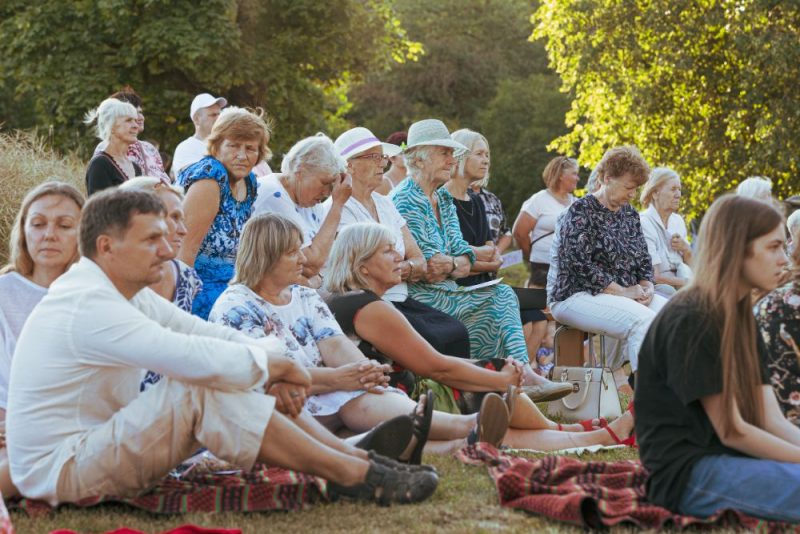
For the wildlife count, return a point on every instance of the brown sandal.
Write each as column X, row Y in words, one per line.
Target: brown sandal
column 386, row 486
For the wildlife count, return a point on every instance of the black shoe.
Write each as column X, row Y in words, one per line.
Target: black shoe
column 389, row 438
column 385, row 486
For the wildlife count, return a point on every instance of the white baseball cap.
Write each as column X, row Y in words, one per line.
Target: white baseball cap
column 357, row 140
column 204, row 100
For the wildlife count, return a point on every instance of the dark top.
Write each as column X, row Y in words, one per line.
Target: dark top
column 599, row 246
column 103, row 172
column 345, row 307
column 495, row 214
column 679, row 363
column 475, row 229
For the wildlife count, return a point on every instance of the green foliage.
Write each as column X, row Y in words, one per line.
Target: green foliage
column 708, row 88
column 288, row 56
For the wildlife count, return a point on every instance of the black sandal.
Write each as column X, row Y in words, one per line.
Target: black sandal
column 422, row 427
column 399, row 466
column 387, row 486
column 389, row 438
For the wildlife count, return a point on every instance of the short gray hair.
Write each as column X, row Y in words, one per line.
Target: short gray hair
column 469, row 138
column 793, row 225
column 315, row 153
column 265, row 238
column 151, row 184
column 592, row 184
column 106, row 113
column 757, row 187
column 413, row 156
column 353, row 246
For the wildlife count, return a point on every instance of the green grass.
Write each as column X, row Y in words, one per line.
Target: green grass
column 466, row 501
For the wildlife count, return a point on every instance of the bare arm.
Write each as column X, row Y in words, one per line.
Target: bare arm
column 201, row 206
column 504, row 242
column 380, row 324
column 488, row 259
column 413, row 255
column 523, row 227
column 752, row 440
column 317, row 252
column 666, row 277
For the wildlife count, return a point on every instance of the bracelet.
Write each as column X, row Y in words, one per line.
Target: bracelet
column 411, row 269
column 455, row 266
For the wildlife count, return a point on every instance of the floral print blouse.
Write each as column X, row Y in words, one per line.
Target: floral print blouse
column 778, row 319
column 597, row 247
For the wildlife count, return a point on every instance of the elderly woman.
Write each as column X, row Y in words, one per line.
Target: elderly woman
column 363, row 258
column 665, row 232
column 535, row 225
column 117, row 126
column 365, row 156
column 756, row 187
column 311, row 172
column 604, row 279
column 397, row 171
column 346, row 390
column 220, row 192
column 142, row 153
column 491, row 314
column 43, row 244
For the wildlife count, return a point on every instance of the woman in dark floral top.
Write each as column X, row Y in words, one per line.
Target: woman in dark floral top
column 605, row 277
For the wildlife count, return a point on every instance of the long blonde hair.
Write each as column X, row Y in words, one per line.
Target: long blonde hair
column 354, row 245
column 726, row 237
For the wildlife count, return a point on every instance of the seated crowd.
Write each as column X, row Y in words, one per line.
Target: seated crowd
column 340, row 319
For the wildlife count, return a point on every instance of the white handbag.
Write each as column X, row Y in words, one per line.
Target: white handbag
column 594, row 392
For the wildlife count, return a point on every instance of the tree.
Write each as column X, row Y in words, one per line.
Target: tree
column 708, row 88
column 288, row 56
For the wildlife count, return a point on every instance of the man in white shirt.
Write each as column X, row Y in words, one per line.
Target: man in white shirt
column 76, row 424
column 204, row 112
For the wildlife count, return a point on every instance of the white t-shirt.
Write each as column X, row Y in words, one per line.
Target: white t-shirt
column 545, row 208
column 18, row 297
column 272, row 197
column 658, row 238
column 190, row 150
column 354, row 212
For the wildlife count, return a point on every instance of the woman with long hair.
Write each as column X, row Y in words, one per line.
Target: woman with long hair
column 710, row 430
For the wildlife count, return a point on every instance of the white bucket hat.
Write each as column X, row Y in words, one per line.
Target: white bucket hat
column 359, row 139
column 204, row 100
column 432, row 132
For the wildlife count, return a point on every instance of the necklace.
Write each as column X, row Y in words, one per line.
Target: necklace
column 461, row 204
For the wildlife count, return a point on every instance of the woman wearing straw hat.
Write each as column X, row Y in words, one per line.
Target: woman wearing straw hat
column 366, row 157
column 491, row 314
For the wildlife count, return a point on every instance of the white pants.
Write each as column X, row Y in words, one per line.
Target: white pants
column 618, row 317
column 162, row 427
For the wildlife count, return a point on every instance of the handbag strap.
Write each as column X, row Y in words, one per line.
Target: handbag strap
column 542, row 237
column 587, row 378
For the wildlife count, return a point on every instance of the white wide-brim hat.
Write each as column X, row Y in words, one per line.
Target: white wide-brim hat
column 432, row 132
column 359, row 139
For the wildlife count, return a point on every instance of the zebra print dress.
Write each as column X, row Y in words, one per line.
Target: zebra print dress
column 491, row 314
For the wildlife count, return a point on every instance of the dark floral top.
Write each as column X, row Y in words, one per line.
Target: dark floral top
column 599, row 246
column 778, row 318
column 498, row 225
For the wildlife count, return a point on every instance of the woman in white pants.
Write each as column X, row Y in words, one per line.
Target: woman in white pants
column 604, row 278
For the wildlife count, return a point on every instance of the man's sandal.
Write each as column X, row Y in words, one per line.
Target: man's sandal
column 385, row 486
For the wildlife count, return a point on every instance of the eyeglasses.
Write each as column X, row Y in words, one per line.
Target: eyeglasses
column 376, row 158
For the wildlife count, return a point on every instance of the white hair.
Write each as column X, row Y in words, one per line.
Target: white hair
column 592, row 184
column 757, row 187
column 315, row 153
column 793, row 224
column 151, row 184
column 469, row 138
column 106, row 114
column 413, row 156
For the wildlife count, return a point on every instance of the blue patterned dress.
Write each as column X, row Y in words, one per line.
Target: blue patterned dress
column 217, row 254
column 491, row 314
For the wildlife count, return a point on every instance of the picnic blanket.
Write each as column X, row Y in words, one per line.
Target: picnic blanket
column 594, row 495
column 261, row 489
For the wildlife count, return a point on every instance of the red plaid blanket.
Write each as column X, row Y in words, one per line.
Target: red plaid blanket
column 594, row 495
column 264, row 488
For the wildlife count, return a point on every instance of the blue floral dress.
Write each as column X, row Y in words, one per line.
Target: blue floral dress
column 301, row 324
column 217, row 254
column 491, row 314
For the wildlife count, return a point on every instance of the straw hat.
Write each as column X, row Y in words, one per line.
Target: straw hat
column 357, row 140
column 432, row 132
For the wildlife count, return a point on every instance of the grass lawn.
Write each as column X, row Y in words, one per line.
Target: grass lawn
column 465, row 501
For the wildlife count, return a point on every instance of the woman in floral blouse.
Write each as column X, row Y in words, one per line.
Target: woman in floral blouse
column 605, row 278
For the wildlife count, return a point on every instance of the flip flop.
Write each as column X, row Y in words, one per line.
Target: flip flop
column 389, row 438
column 422, row 427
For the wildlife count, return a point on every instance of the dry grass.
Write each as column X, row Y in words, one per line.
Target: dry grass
column 25, row 161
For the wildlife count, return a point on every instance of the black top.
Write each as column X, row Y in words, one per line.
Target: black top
column 345, row 306
column 475, row 229
column 679, row 363
column 103, row 173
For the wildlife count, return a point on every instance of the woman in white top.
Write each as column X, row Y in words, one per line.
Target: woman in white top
column 43, row 244
column 311, row 172
column 534, row 227
column 665, row 231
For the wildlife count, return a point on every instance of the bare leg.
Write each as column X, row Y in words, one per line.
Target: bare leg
column 548, row 440
column 6, row 486
column 287, row 445
column 534, row 333
column 313, row 428
column 527, row 416
column 368, row 410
